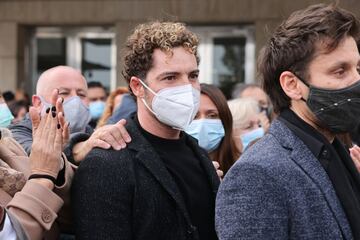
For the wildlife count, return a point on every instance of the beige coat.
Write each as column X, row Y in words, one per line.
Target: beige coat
column 34, row 208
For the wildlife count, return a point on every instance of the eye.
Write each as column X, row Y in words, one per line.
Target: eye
column 82, row 95
column 340, row 72
column 194, row 76
column 197, row 116
column 213, row 116
column 358, row 69
column 169, row 78
column 63, row 93
column 249, row 126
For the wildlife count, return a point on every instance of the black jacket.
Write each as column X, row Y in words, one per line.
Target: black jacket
column 129, row 194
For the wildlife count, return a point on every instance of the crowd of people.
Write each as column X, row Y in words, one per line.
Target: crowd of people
column 169, row 158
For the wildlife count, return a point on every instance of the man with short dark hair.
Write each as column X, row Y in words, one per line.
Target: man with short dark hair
column 298, row 181
column 163, row 185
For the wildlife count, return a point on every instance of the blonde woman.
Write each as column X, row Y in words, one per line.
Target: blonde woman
column 249, row 123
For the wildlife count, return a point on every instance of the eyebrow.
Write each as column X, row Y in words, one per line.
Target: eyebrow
column 69, row 90
column 161, row 75
column 212, row 111
column 64, row 89
column 336, row 65
column 167, row 74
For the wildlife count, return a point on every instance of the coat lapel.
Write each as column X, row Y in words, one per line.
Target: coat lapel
column 151, row 160
column 303, row 157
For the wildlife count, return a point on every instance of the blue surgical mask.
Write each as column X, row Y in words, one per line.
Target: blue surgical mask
column 209, row 132
column 248, row 137
column 5, row 115
column 96, row 109
column 75, row 111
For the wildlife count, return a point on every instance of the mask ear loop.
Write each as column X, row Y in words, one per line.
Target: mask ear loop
column 146, row 86
column 306, row 84
column 143, row 100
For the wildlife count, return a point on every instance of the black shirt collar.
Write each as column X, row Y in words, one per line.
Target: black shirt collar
column 314, row 140
column 153, row 139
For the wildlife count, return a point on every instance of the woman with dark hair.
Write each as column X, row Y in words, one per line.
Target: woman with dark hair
column 212, row 127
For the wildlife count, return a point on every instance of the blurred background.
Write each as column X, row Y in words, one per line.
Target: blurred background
column 89, row 35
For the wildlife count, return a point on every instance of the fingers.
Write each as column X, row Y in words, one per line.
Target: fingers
column 54, row 96
column 59, row 105
column 115, row 135
column 216, row 165
column 58, row 143
column 41, row 128
column 121, row 126
column 220, row 173
column 64, row 127
column 101, row 144
column 35, row 118
column 355, row 155
column 114, row 138
column 51, row 127
column 45, row 157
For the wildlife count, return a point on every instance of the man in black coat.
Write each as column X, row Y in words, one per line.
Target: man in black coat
column 162, row 186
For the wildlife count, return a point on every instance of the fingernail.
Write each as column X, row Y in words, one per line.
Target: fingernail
column 53, row 109
column 53, row 114
column 47, row 110
column 62, row 100
column 58, row 126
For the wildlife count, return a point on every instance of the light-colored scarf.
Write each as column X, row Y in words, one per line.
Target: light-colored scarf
column 14, row 164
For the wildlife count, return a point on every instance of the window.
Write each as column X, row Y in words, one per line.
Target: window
column 91, row 50
column 227, row 56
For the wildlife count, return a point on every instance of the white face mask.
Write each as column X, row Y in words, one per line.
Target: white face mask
column 174, row 106
column 75, row 111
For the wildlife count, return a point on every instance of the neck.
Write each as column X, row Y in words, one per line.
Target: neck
column 150, row 124
column 310, row 119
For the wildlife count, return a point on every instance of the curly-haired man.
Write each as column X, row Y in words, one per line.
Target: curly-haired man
column 298, row 181
column 162, row 186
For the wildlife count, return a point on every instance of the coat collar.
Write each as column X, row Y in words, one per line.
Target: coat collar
column 303, row 157
column 151, row 160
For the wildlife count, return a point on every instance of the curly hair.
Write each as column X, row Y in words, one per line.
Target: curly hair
column 147, row 37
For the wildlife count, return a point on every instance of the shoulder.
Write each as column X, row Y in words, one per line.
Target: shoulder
column 266, row 161
column 24, row 125
column 264, row 152
column 106, row 159
column 104, row 171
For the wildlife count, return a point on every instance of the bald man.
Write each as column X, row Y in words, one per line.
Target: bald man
column 72, row 87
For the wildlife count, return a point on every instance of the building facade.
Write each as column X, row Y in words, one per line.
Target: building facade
column 89, row 35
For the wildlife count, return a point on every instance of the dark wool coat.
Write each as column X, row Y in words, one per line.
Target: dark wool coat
column 129, row 194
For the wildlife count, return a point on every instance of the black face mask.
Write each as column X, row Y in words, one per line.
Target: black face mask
column 337, row 109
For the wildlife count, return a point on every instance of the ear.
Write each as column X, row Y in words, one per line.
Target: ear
column 291, row 85
column 136, row 87
column 36, row 101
